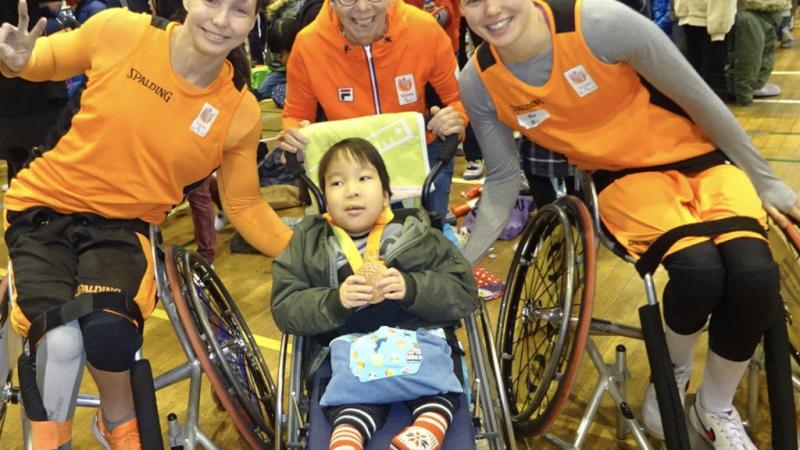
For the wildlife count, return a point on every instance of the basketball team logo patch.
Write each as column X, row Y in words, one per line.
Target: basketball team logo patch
column 406, row 89
column 202, row 123
column 580, row 80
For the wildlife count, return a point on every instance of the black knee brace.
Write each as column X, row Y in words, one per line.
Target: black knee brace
column 751, row 304
column 691, row 294
column 111, row 341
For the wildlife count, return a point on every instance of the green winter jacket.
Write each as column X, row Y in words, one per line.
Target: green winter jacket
column 440, row 288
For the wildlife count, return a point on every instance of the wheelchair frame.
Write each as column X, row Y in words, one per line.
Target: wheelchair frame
column 611, row 377
column 172, row 290
column 489, row 409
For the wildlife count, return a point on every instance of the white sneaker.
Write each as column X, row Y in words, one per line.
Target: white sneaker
column 220, row 221
column 768, row 90
column 474, row 170
column 651, row 415
column 724, row 431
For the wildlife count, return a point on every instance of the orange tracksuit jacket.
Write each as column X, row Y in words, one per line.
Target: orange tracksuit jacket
column 388, row 76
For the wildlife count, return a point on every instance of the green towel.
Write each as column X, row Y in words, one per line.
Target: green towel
column 399, row 137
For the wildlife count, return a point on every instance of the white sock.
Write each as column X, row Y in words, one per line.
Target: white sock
column 681, row 348
column 720, row 379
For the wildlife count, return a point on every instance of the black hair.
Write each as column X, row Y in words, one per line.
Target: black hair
column 281, row 34
column 171, row 10
column 360, row 150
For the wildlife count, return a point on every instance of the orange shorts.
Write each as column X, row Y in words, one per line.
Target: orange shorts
column 640, row 207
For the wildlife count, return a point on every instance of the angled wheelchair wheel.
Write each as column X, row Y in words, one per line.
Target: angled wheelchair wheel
column 224, row 346
column 5, row 359
column 546, row 313
column 789, row 288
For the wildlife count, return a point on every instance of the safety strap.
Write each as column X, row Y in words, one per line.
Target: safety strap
column 697, row 164
column 650, row 260
column 82, row 305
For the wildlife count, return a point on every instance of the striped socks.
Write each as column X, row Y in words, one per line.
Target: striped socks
column 426, row 433
column 346, row 437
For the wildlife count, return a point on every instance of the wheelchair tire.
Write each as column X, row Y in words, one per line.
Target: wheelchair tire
column 224, row 346
column 551, row 276
column 791, row 234
column 6, row 375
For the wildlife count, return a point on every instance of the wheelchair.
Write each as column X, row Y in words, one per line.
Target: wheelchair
column 546, row 325
column 215, row 340
column 483, row 418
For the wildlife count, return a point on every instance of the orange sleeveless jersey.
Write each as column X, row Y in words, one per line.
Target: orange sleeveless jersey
column 141, row 133
column 598, row 115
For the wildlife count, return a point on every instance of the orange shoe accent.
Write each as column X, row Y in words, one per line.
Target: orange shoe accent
column 50, row 434
column 124, row 436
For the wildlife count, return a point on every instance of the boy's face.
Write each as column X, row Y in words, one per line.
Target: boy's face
column 354, row 194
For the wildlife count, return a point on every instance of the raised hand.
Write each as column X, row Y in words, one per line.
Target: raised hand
column 16, row 43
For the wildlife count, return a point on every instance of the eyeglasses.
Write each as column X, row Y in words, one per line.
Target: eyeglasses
column 349, row 3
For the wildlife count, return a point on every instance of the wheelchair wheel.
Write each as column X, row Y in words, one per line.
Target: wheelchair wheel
column 5, row 363
column 789, row 291
column 224, row 346
column 546, row 313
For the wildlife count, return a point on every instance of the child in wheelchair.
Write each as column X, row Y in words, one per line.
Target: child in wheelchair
column 381, row 283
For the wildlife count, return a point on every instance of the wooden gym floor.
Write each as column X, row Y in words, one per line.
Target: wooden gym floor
column 774, row 126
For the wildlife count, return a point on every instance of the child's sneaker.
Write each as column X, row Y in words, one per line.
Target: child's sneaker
column 124, row 437
column 651, row 415
column 724, row 431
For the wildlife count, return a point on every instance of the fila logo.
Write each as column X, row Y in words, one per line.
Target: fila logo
column 346, row 95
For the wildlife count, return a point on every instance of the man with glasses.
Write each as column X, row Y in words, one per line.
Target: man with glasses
column 364, row 57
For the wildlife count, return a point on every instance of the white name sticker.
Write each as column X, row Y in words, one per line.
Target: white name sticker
column 533, row 119
column 202, row 123
column 580, row 80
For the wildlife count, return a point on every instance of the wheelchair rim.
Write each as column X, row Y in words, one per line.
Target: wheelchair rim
column 572, row 297
column 203, row 352
column 250, row 379
column 792, row 237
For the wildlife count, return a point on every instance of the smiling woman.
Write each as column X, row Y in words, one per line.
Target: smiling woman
column 600, row 84
column 77, row 216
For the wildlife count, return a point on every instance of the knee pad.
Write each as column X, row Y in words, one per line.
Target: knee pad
column 691, row 294
column 753, row 295
column 752, row 303
column 50, row 378
column 111, row 341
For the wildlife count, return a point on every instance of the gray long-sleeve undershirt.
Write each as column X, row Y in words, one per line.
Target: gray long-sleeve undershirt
column 614, row 33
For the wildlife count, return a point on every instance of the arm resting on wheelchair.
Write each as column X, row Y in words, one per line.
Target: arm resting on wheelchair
column 240, row 194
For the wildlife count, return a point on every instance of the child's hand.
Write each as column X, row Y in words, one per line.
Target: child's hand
column 354, row 292
column 392, row 285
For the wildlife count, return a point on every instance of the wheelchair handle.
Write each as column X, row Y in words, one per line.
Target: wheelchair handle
column 447, row 153
column 449, row 150
column 293, row 164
